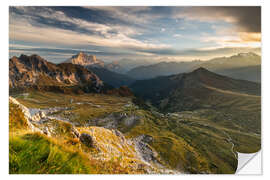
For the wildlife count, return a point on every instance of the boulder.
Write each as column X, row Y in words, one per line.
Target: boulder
column 87, row 140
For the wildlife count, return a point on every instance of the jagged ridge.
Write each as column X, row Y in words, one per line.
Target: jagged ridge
column 33, row 70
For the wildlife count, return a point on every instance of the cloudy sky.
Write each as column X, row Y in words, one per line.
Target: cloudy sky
column 152, row 33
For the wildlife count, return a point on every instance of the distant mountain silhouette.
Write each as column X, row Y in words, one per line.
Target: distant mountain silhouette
column 188, row 91
column 244, row 66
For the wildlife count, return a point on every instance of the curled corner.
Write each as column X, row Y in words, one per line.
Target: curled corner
column 249, row 163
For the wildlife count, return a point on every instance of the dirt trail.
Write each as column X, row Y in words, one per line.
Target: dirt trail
column 230, row 141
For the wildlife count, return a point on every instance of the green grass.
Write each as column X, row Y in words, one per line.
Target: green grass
column 193, row 143
column 36, row 154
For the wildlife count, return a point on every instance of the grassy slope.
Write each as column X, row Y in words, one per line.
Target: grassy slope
column 35, row 153
column 189, row 148
column 234, row 111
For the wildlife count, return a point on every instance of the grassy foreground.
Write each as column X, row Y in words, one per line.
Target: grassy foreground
column 188, row 141
column 35, row 153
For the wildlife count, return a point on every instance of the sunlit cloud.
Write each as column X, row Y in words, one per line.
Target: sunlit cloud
column 24, row 31
column 172, row 33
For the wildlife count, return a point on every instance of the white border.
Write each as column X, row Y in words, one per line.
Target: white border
column 137, row 2
column 265, row 74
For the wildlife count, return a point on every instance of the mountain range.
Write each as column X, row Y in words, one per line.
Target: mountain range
column 24, row 70
column 191, row 122
column 33, row 71
column 244, row 66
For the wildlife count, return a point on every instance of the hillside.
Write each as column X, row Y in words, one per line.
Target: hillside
column 42, row 143
column 202, row 89
column 198, row 78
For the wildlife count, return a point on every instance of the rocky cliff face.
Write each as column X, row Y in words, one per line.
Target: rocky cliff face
column 33, row 70
column 85, row 60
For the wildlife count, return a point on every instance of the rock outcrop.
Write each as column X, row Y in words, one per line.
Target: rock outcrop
column 27, row 115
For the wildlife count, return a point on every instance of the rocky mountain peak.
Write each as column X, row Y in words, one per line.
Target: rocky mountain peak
column 28, row 71
column 84, row 59
column 83, row 56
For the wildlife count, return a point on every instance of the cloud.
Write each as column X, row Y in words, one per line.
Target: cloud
column 27, row 32
column 177, row 35
column 247, row 19
column 250, row 37
column 238, row 40
column 76, row 31
column 243, row 28
column 135, row 14
column 136, row 31
column 244, row 31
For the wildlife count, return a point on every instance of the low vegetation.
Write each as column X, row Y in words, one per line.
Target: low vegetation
column 198, row 141
column 61, row 153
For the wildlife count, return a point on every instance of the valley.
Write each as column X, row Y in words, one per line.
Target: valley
column 185, row 123
column 244, row 66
